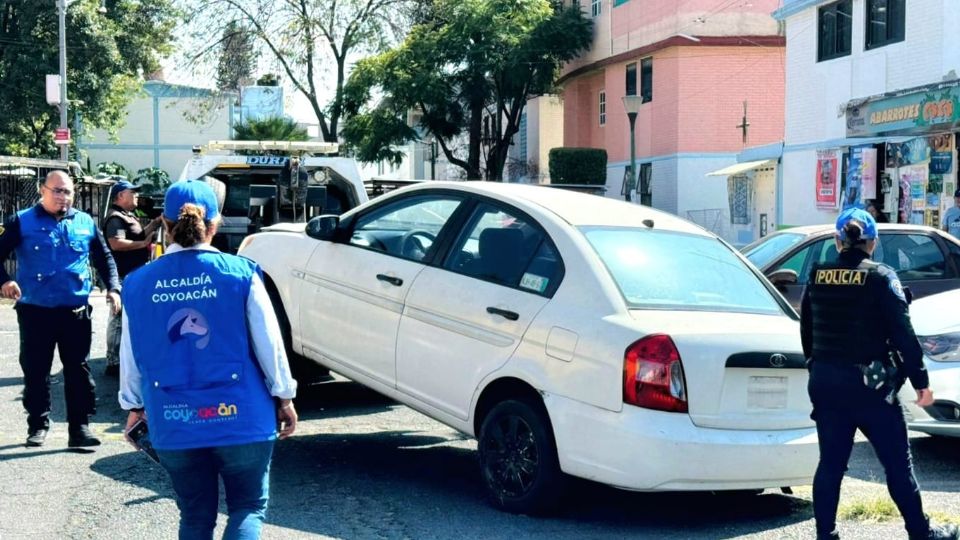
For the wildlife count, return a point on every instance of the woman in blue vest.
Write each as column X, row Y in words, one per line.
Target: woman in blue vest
column 202, row 360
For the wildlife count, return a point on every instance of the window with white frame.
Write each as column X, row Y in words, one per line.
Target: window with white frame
column 596, row 7
column 603, row 108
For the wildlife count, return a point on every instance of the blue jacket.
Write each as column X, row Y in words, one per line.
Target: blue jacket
column 201, row 385
column 53, row 257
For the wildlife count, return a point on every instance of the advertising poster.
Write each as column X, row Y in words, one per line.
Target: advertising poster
column 915, row 177
column 868, row 172
column 827, row 175
column 941, row 153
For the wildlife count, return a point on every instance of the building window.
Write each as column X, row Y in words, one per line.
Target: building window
column 885, row 22
column 619, row 2
column 835, row 22
column 631, row 79
column 645, row 184
column 603, row 108
column 646, row 79
column 595, row 7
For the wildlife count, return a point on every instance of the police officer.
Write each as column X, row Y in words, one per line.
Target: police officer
column 851, row 309
column 54, row 243
column 130, row 245
column 203, row 358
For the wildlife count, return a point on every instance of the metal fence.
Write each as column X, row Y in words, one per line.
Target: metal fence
column 20, row 179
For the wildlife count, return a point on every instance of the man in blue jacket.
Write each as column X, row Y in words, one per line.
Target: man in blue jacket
column 54, row 243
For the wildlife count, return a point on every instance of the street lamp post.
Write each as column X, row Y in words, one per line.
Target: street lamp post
column 632, row 105
column 62, row 14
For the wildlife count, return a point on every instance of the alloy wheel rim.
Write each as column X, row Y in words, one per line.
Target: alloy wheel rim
column 511, row 457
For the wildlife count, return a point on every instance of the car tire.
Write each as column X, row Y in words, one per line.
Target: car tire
column 518, row 458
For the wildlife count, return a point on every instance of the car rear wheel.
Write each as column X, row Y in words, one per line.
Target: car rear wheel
column 518, row 458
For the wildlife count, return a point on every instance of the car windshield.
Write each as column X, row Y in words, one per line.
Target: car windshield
column 678, row 271
column 768, row 249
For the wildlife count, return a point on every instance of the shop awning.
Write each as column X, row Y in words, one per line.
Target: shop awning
column 742, row 167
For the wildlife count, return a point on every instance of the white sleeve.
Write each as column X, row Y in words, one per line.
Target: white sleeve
column 129, row 393
column 268, row 342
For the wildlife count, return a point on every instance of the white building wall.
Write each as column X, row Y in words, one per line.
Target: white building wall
column 817, row 92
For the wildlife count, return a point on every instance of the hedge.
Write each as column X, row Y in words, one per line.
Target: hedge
column 578, row 166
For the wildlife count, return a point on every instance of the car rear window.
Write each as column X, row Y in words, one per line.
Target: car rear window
column 761, row 253
column 677, row 271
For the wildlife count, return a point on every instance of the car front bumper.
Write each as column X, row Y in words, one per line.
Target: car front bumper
column 943, row 418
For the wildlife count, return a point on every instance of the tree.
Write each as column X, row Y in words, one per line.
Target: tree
column 275, row 128
column 152, row 181
column 268, row 79
column 312, row 41
column 468, row 70
column 112, row 168
column 237, row 58
column 107, row 54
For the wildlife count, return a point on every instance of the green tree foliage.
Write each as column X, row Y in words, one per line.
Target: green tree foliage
column 268, row 79
column 274, row 128
column 468, row 69
column 152, row 181
column 107, row 56
column 112, row 168
column 237, row 58
column 578, row 166
column 313, row 41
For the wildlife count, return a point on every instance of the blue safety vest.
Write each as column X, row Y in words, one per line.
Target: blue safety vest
column 201, row 383
column 53, row 258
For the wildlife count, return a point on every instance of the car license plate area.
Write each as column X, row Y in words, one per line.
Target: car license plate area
column 767, row 392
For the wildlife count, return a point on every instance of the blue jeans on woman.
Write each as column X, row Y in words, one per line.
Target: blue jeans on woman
column 245, row 469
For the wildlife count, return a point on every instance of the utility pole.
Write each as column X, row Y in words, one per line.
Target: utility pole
column 62, row 13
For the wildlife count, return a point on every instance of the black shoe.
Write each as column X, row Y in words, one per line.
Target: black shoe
column 82, row 437
column 832, row 536
column 36, row 437
column 112, row 370
column 943, row 532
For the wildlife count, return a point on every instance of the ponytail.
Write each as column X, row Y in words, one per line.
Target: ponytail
column 191, row 227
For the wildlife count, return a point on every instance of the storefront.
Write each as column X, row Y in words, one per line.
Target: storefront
column 905, row 165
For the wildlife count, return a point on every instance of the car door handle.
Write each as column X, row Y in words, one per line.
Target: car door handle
column 390, row 279
column 506, row 314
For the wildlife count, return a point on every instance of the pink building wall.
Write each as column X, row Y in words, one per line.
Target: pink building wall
column 698, row 94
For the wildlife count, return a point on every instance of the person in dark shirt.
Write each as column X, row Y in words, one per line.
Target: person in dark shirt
column 130, row 244
column 55, row 244
column 852, row 309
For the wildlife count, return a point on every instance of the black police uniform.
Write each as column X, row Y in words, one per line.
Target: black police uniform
column 121, row 224
column 850, row 309
column 53, row 257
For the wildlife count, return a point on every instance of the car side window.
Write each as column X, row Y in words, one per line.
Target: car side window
column 954, row 250
column 913, row 256
column 407, row 228
column 801, row 262
column 503, row 248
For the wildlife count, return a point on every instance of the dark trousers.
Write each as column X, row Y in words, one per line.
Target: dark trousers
column 841, row 405
column 68, row 329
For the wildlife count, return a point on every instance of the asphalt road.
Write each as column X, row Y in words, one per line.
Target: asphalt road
column 361, row 466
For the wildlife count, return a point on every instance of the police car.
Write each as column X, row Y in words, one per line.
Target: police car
column 264, row 183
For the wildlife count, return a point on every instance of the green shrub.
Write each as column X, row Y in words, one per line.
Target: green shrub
column 578, row 166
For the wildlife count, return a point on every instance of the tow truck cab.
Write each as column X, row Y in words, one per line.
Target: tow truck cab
column 274, row 182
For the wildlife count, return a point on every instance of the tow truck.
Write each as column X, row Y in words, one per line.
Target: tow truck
column 265, row 183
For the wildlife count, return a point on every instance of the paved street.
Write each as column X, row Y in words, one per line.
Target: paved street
column 361, row 466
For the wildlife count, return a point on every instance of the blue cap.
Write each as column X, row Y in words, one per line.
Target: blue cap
column 120, row 187
column 868, row 224
column 190, row 192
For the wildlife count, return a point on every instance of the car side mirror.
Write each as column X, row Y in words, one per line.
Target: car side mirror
column 781, row 278
column 908, row 294
column 324, row 227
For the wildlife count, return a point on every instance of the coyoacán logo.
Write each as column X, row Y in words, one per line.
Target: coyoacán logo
column 188, row 325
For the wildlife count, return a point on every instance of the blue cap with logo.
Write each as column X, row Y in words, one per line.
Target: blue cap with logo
column 120, row 187
column 867, row 223
column 195, row 192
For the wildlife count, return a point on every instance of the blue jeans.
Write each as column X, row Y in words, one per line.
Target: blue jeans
column 245, row 469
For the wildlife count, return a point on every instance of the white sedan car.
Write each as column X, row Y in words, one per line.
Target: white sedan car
column 937, row 324
column 571, row 334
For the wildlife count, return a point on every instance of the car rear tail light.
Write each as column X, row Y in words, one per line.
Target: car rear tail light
column 653, row 375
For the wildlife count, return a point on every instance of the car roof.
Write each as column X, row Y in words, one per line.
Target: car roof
column 810, row 230
column 577, row 209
